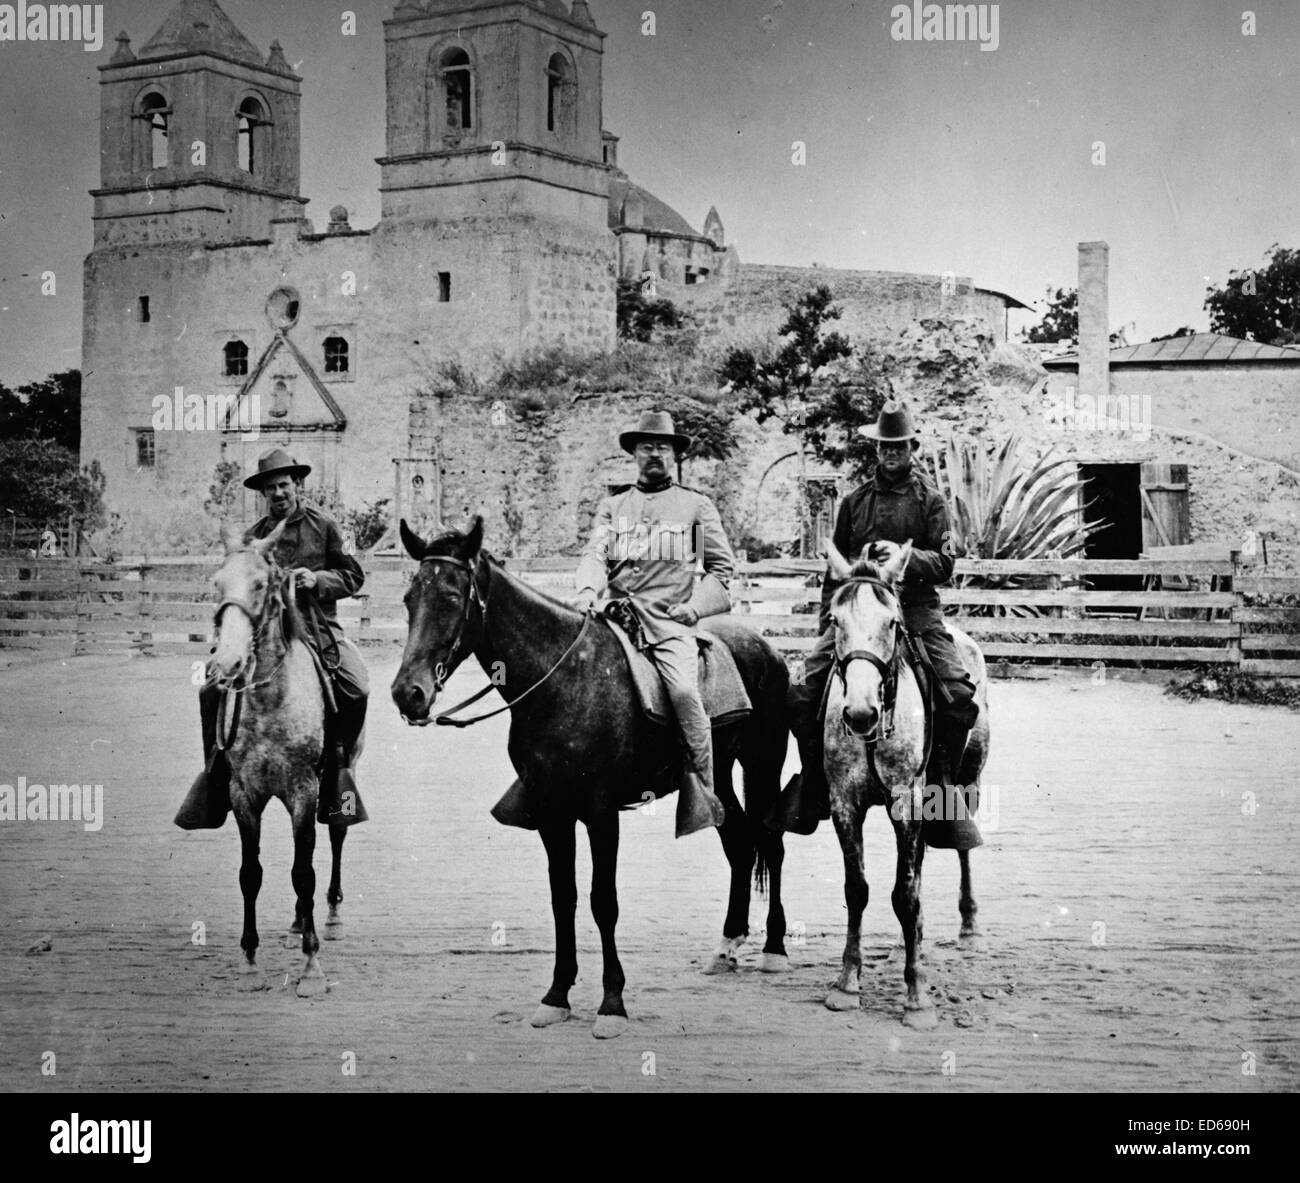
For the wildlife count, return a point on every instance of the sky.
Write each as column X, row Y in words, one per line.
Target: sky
column 925, row 156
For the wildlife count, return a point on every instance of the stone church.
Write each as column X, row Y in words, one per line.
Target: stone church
column 505, row 223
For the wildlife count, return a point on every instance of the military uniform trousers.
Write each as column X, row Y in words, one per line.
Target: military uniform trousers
column 678, row 661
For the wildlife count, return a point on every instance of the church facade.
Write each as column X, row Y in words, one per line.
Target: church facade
column 219, row 322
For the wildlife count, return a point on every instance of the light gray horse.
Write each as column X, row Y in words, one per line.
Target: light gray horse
column 262, row 658
column 876, row 755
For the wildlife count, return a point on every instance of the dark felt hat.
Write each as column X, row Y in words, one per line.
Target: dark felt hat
column 272, row 464
column 654, row 425
column 892, row 426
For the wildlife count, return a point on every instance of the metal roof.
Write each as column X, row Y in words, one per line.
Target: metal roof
column 1198, row 349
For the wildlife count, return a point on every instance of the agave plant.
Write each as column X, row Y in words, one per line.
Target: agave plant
column 1010, row 505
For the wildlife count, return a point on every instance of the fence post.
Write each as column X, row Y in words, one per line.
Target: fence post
column 1234, row 613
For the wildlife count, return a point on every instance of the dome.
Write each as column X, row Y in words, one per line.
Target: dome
column 659, row 217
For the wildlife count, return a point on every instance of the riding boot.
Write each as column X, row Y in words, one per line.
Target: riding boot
column 805, row 801
column 698, row 807
column 340, row 800
column 208, row 802
column 514, row 809
column 950, row 832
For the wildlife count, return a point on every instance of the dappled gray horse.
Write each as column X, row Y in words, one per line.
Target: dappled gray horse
column 876, row 754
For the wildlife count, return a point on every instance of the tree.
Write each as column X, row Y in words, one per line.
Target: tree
column 39, row 481
column 834, row 419
column 1061, row 320
column 781, row 387
column 49, row 409
column 638, row 316
column 713, row 435
column 1261, row 305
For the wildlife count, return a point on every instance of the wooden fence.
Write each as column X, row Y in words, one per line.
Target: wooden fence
column 1217, row 614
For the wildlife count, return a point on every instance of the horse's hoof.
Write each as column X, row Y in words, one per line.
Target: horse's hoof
column 920, row 1018
column 312, row 984
column 721, row 965
column 548, row 1016
column 296, row 927
column 774, row 963
column 333, row 927
column 972, row 942
column 609, row 1026
column 250, row 978
column 839, row 999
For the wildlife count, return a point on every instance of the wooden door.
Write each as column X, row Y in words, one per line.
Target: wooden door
column 1165, row 517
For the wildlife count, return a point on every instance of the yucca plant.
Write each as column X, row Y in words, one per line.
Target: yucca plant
column 1010, row 505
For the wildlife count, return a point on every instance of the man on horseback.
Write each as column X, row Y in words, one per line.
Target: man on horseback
column 311, row 546
column 643, row 550
column 896, row 505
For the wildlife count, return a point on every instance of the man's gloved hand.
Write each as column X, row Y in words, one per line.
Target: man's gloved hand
column 883, row 552
column 585, row 601
column 683, row 614
column 304, row 577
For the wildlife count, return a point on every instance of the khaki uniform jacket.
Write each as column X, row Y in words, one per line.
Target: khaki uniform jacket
column 312, row 539
column 645, row 547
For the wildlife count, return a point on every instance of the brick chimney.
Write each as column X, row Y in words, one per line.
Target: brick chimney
column 1094, row 317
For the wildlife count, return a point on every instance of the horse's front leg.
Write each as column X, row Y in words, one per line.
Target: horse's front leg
column 918, row 1010
column 334, row 896
column 312, row 982
column 250, row 883
column 848, row 815
column 611, row 1019
column 561, row 854
column 970, row 930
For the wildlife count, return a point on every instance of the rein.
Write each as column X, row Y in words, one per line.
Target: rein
column 229, row 689
column 440, row 672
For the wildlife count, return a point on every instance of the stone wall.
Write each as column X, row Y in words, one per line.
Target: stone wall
column 752, row 304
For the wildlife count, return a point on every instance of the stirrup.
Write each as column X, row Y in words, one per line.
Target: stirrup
column 512, row 809
column 791, row 815
column 207, row 804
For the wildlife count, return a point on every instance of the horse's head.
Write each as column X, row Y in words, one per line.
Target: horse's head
column 247, row 578
column 866, row 616
column 444, row 611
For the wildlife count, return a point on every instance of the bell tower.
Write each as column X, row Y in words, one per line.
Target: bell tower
column 199, row 135
column 495, row 104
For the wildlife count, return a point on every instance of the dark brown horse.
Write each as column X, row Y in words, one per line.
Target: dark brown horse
column 262, row 658
column 580, row 743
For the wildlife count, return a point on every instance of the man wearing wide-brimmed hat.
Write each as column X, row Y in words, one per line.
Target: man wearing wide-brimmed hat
column 311, row 546
column 645, row 543
column 896, row 505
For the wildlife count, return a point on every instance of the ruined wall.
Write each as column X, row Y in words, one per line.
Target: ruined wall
column 875, row 303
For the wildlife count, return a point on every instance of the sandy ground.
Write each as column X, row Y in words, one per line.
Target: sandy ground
column 1115, row 806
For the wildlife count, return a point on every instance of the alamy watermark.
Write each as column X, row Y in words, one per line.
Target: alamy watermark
column 1117, row 414
column 211, row 412
column 946, row 22
column 54, row 22
column 53, row 803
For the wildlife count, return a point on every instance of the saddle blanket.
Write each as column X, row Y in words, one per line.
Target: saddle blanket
column 721, row 688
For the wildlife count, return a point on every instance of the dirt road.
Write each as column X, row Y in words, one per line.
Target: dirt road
column 1139, row 911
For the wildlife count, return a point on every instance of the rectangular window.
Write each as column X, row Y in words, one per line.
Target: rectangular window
column 144, row 310
column 146, row 453
column 444, row 287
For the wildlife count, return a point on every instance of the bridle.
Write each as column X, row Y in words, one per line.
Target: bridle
column 272, row 608
column 440, row 670
column 886, row 668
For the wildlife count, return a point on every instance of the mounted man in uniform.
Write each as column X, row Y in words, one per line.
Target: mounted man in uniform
column 896, row 505
column 643, row 550
column 311, row 546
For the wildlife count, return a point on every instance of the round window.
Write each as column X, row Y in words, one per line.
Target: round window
column 283, row 307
